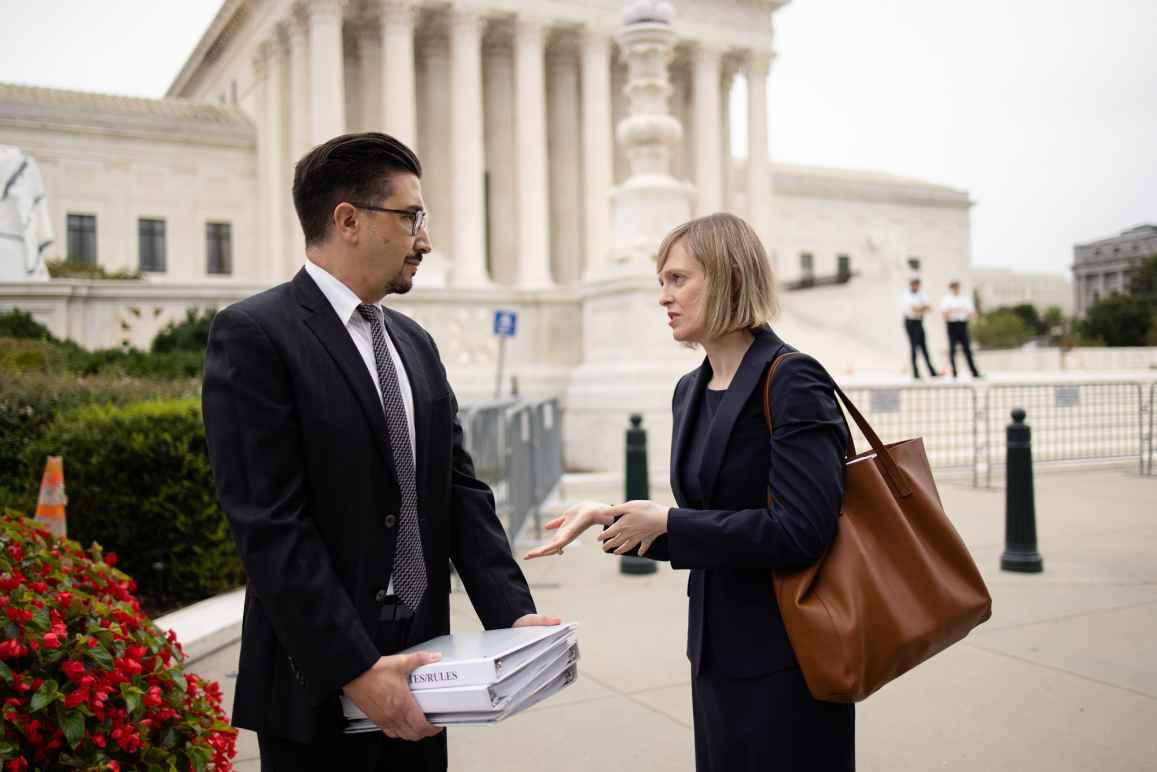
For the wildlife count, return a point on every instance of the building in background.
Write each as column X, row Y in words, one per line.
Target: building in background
column 1002, row 287
column 513, row 107
column 1103, row 267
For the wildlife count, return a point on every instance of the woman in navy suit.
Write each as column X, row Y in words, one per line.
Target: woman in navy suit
column 752, row 708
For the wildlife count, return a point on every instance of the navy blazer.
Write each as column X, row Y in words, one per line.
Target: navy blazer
column 303, row 469
column 731, row 540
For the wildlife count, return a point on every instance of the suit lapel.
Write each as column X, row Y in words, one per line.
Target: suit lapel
column 685, row 426
column 759, row 355
column 333, row 336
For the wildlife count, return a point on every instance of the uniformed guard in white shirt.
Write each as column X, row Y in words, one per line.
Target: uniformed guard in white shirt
column 958, row 311
column 915, row 306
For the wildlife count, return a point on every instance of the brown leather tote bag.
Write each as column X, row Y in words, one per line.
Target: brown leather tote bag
column 896, row 586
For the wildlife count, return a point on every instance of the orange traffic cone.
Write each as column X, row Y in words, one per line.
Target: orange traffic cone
column 50, row 505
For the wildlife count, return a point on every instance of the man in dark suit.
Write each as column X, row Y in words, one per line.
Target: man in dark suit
column 338, row 459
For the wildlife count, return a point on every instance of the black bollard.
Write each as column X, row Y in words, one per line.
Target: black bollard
column 636, row 486
column 1020, row 553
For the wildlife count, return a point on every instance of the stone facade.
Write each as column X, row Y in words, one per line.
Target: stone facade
column 1004, row 287
column 1103, row 267
column 517, row 111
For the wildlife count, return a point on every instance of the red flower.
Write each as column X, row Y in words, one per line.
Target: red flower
column 110, row 558
column 51, row 641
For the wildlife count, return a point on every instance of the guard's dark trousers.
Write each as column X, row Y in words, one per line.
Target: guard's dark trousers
column 958, row 334
column 915, row 330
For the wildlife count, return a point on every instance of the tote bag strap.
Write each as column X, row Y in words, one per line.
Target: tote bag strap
column 895, row 478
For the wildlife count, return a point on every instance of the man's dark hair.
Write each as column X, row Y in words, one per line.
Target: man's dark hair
column 352, row 167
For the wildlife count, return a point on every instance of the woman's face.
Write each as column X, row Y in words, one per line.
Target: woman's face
column 682, row 289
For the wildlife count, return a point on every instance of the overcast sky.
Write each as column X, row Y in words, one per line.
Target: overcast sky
column 1045, row 111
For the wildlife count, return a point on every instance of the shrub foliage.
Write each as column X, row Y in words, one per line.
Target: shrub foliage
column 86, row 680
column 138, row 479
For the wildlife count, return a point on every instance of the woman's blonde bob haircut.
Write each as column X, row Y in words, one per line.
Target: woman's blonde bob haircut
column 740, row 286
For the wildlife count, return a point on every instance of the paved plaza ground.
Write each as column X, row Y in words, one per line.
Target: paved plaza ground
column 1063, row 677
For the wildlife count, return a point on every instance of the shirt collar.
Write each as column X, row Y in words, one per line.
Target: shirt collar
column 345, row 303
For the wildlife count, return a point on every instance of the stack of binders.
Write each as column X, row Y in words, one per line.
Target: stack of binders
column 486, row 677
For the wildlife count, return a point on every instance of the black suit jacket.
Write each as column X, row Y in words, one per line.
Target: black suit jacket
column 301, row 461
column 731, row 540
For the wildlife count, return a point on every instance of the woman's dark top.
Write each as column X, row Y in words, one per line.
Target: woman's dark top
column 712, row 398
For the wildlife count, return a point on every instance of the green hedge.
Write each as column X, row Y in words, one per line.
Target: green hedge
column 31, row 401
column 139, row 483
column 27, row 355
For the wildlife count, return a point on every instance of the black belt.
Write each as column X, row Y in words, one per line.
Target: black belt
column 394, row 609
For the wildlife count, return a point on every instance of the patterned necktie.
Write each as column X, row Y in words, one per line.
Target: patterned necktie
column 409, row 564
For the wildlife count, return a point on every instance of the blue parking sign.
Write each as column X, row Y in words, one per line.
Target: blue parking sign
column 505, row 323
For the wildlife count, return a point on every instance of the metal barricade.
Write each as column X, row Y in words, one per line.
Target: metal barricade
column 547, row 448
column 1149, row 437
column 1079, row 421
column 519, row 467
column 484, row 437
column 945, row 417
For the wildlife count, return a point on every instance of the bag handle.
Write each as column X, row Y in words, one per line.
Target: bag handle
column 895, row 478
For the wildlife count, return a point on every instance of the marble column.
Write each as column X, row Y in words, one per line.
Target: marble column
column 755, row 67
column 564, row 160
column 727, row 173
column 369, row 35
column 434, row 117
column 501, row 158
column 530, row 110
column 399, row 97
column 598, row 148
column 468, row 245
column 297, row 33
column 326, row 73
column 271, row 160
column 265, row 122
column 709, row 167
column 352, row 79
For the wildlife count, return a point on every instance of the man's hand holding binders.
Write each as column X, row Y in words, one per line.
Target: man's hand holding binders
column 383, row 693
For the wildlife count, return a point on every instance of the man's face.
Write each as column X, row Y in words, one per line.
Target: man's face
column 389, row 255
column 914, row 286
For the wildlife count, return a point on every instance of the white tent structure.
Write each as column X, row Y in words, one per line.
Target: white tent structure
column 25, row 227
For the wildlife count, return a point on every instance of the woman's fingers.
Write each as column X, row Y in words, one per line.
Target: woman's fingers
column 544, row 550
column 555, row 523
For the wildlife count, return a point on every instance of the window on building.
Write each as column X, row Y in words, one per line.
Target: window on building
column 807, row 265
column 151, row 238
column 843, row 267
column 914, row 263
column 219, row 248
column 82, row 238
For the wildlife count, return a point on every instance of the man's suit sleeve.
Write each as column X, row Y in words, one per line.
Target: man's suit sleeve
column 478, row 545
column 807, row 485
column 254, row 448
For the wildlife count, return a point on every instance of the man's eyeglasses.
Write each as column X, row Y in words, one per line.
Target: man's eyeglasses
column 418, row 218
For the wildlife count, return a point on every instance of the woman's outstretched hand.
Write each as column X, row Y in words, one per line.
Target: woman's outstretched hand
column 570, row 524
column 639, row 524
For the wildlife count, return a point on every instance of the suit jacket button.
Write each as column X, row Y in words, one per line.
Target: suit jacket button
column 391, row 521
column 381, row 596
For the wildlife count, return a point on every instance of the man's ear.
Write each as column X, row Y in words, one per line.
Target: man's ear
column 344, row 219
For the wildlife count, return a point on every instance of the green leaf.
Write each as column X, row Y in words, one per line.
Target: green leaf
column 45, row 695
column 40, row 620
column 73, row 726
column 8, row 751
column 196, row 759
column 133, row 704
column 5, row 671
column 100, row 655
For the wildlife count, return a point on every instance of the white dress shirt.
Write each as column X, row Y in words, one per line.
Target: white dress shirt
column 345, row 303
column 958, row 307
column 914, row 299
